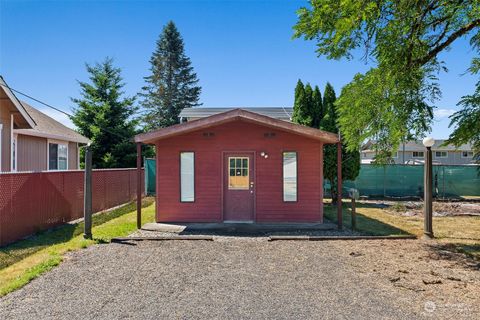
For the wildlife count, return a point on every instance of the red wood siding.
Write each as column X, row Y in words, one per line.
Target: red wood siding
column 236, row 137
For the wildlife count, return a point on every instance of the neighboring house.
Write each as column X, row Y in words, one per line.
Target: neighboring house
column 32, row 141
column 239, row 166
column 413, row 152
column 282, row 113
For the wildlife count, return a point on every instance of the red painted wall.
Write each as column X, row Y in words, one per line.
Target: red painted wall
column 240, row 136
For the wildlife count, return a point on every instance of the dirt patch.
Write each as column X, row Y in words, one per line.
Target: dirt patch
column 440, row 209
column 425, row 270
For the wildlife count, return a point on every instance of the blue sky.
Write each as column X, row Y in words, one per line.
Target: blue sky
column 242, row 51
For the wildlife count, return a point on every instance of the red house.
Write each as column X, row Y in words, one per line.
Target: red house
column 239, row 166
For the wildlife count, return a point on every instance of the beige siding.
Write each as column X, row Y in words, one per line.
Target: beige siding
column 5, row 120
column 72, row 156
column 32, row 153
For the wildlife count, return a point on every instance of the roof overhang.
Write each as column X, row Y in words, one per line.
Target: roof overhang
column 35, row 133
column 18, row 105
column 235, row 115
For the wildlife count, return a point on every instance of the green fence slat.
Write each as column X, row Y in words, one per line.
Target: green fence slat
column 407, row 181
column 150, row 176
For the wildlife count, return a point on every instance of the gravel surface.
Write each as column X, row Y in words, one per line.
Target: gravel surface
column 250, row 278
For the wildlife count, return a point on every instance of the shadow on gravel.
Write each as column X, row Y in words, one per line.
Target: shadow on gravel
column 465, row 255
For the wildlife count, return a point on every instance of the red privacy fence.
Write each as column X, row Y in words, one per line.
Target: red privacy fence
column 31, row 202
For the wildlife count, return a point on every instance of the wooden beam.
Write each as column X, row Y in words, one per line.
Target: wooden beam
column 339, row 185
column 139, row 185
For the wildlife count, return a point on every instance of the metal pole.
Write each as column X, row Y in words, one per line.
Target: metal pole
column 339, row 185
column 87, row 198
column 428, row 230
column 139, row 185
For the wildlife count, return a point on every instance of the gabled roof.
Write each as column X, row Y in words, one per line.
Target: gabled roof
column 49, row 128
column 235, row 115
column 17, row 104
column 282, row 113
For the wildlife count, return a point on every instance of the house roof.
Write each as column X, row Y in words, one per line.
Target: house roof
column 235, row 115
column 418, row 146
column 49, row 128
column 28, row 120
column 282, row 113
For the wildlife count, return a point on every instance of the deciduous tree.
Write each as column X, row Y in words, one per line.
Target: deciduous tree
column 402, row 39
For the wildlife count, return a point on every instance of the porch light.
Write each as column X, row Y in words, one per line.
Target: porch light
column 428, row 142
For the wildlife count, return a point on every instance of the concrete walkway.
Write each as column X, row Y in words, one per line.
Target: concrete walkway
column 235, row 228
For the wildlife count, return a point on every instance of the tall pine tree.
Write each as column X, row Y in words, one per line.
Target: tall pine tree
column 350, row 159
column 172, row 84
column 104, row 116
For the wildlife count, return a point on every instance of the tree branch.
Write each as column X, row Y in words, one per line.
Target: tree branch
column 460, row 32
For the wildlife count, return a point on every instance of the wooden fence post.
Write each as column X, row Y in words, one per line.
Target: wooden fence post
column 139, row 185
column 354, row 214
column 87, row 198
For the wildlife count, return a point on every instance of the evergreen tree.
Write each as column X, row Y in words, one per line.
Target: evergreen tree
column 172, row 85
column 350, row 159
column 317, row 107
column 302, row 104
column 308, row 107
column 104, row 116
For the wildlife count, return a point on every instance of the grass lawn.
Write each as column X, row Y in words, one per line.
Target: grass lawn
column 25, row 260
column 461, row 233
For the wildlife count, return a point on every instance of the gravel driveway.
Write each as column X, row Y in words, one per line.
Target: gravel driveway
column 250, row 278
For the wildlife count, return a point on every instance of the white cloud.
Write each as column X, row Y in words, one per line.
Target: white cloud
column 60, row 117
column 443, row 113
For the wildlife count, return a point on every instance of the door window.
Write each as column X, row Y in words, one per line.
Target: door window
column 238, row 173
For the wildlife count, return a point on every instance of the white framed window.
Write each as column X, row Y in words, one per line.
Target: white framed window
column 467, row 154
column 441, row 154
column 187, row 176
column 57, row 155
column 418, row 154
column 290, row 176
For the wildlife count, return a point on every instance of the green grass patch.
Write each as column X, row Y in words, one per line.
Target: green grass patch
column 19, row 250
column 29, row 258
column 366, row 223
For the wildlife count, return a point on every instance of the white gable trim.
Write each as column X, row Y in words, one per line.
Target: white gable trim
column 17, row 103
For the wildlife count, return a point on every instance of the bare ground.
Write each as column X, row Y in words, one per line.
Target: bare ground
column 250, row 278
column 415, row 208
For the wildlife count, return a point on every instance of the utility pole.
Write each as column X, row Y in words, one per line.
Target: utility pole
column 87, row 198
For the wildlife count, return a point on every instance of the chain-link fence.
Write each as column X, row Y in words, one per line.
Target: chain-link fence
column 407, row 181
column 35, row 201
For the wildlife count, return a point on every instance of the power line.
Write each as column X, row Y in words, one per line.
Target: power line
column 54, row 108
column 36, row 100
